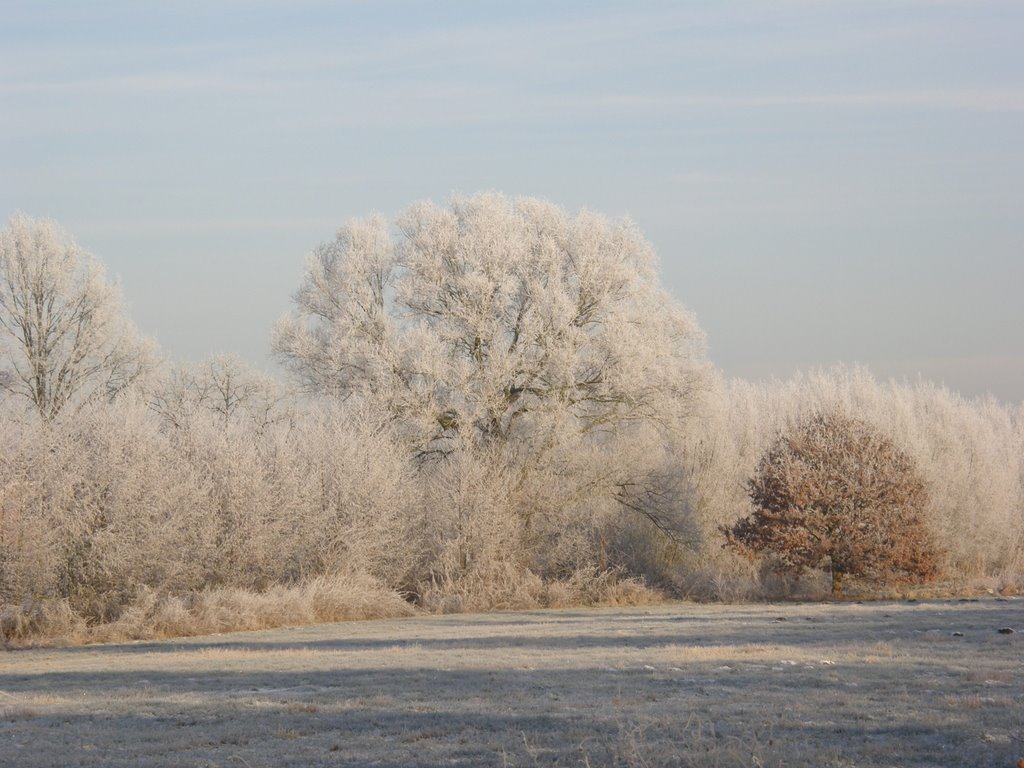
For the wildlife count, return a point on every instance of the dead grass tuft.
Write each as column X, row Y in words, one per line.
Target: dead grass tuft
column 976, row 701
column 156, row 616
column 35, row 622
column 512, row 588
column 695, row 744
column 883, row 649
column 593, row 587
column 989, row 676
column 15, row 713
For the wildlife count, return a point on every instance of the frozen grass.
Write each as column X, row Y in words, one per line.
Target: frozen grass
column 880, row 684
column 157, row 615
column 154, row 615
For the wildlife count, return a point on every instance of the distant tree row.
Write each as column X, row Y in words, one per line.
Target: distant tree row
column 491, row 404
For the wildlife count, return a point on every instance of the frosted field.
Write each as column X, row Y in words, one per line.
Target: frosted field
column 883, row 684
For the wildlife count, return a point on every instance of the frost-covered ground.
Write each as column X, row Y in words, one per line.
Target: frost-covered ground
column 879, row 684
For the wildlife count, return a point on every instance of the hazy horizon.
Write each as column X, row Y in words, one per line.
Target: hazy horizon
column 822, row 183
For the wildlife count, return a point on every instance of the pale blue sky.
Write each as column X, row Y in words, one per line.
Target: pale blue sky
column 824, row 180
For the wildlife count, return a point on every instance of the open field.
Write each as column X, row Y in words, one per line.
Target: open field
column 881, row 684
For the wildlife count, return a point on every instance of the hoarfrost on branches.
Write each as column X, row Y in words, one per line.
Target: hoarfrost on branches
column 64, row 336
column 494, row 320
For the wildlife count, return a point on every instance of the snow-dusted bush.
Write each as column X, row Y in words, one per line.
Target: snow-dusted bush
column 100, row 509
column 101, row 496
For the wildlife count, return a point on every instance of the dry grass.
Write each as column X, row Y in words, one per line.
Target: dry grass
column 694, row 744
column 320, row 600
column 325, row 599
column 505, row 587
column 697, row 744
column 155, row 616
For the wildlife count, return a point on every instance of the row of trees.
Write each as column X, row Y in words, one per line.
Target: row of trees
column 969, row 453
column 490, row 403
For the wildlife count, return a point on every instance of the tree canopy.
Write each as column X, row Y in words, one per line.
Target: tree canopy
column 494, row 319
column 64, row 336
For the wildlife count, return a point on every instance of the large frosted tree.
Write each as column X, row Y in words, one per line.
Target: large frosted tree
column 64, row 336
column 495, row 320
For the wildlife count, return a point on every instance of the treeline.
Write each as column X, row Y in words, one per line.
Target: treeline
column 969, row 453
column 490, row 405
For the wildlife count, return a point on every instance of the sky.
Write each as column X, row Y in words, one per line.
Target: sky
column 823, row 180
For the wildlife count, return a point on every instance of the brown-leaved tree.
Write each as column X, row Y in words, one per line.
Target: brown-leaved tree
column 836, row 493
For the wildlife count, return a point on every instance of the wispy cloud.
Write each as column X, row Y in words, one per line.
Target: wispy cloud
column 198, row 225
column 965, row 99
column 156, row 82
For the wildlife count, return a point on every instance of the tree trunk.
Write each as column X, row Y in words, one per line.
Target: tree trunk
column 837, row 582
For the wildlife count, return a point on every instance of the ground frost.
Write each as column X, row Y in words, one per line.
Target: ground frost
column 882, row 684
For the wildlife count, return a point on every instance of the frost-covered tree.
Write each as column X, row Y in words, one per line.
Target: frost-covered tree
column 836, row 493
column 63, row 333
column 527, row 347
column 494, row 320
column 223, row 387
